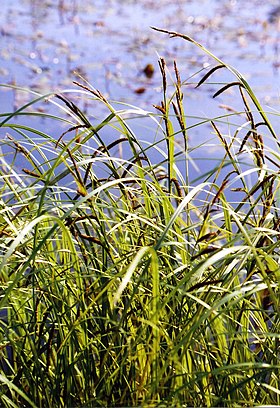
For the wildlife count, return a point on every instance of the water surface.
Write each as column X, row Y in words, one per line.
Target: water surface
column 46, row 44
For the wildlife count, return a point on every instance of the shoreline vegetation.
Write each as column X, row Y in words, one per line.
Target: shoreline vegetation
column 124, row 281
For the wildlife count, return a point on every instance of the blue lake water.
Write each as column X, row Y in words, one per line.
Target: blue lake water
column 46, row 44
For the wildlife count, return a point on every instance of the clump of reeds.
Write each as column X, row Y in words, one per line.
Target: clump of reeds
column 126, row 281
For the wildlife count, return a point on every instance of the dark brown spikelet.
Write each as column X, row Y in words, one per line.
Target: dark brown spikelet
column 162, row 66
column 209, row 73
column 227, row 86
column 160, row 108
column 69, row 130
column 31, row 173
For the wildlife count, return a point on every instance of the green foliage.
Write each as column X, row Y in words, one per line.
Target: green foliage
column 123, row 281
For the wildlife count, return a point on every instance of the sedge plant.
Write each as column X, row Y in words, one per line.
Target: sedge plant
column 126, row 280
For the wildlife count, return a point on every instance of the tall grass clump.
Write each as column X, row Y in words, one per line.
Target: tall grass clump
column 126, row 279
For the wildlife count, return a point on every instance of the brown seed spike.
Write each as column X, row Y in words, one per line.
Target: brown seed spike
column 177, row 75
column 162, row 66
column 227, row 86
column 209, row 73
column 160, row 108
column 31, row 173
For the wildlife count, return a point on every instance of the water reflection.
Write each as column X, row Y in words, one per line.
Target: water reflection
column 46, row 45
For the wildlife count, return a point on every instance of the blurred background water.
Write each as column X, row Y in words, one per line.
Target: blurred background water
column 46, row 44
